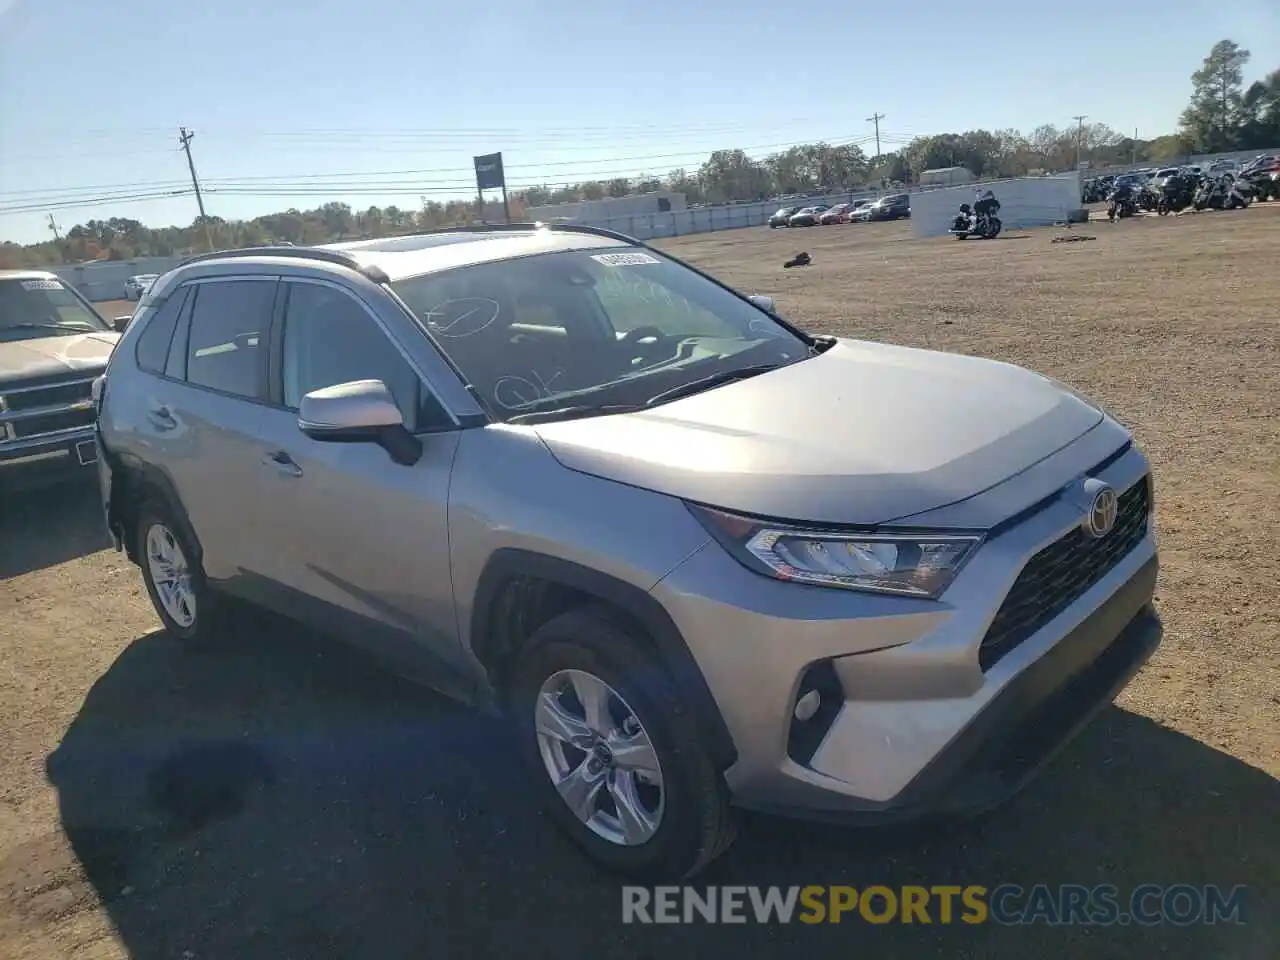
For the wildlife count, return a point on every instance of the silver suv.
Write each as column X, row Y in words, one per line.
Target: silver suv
column 697, row 557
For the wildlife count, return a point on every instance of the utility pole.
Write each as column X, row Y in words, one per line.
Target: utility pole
column 1134, row 159
column 53, row 225
column 876, row 118
column 1079, row 119
column 185, row 137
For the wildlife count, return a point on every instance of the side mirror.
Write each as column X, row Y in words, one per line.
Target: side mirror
column 119, row 324
column 362, row 411
column 764, row 303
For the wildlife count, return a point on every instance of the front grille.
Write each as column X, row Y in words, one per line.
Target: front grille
column 52, row 422
column 1059, row 574
column 58, row 395
column 35, row 410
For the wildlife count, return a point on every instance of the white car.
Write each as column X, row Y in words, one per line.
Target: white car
column 135, row 287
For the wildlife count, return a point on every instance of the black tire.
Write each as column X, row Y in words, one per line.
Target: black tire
column 209, row 614
column 696, row 824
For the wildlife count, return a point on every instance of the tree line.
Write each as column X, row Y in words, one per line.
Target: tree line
column 1221, row 116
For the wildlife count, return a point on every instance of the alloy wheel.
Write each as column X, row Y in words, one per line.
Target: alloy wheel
column 171, row 575
column 599, row 757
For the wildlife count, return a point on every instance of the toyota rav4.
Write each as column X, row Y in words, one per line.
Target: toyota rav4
column 697, row 557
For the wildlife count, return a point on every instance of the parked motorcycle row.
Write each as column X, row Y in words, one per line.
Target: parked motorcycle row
column 1177, row 189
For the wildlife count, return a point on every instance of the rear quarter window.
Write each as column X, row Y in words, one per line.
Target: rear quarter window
column 152, row 352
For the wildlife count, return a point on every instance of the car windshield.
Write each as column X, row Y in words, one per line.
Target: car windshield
column 41, row 307
column 563, row 333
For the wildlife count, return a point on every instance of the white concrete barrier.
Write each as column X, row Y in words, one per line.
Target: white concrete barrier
column 1024, row 202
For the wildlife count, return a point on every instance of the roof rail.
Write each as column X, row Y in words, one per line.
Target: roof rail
column 340, row 257
column 305, row 253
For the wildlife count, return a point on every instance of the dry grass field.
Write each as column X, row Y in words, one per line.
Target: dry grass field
column 350, row 815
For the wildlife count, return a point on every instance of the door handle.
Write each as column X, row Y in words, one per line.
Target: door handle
column 161, row 418
column 283, row 463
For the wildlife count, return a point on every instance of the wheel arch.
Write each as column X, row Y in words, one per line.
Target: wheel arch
column 132, row 485
column 513, row 579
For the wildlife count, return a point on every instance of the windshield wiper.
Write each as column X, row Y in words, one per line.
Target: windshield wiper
column 583, row 410
column 715, row 380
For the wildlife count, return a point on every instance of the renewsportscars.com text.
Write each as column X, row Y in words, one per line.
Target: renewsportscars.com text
column 1006, row 904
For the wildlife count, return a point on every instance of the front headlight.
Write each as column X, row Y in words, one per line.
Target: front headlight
column 909, row 563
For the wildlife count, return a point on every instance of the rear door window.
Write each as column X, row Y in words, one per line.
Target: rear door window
column 227, row 339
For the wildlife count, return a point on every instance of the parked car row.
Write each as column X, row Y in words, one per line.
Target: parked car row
column 893, row 207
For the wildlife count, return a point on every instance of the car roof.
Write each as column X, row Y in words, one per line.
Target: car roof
column 27, row 275
column 412, row 256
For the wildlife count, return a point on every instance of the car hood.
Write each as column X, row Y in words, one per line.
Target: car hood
column 862, row 434
column 48, row 356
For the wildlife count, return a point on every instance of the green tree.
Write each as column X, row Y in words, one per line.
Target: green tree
column 1215, row 114
column 732, row 175
column 1261, row 104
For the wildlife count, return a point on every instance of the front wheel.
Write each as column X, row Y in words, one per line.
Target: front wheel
column 613, row 752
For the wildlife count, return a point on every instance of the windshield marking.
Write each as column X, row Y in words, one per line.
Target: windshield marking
column 624, row 259
column 485, row 310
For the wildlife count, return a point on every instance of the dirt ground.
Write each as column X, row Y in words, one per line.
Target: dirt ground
column 331, row 811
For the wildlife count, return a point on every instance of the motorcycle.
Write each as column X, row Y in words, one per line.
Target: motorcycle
column 1221, row 193
column 1264, row 184
column 1148, row 199
column 1121, row 204
column 1176, row 195
column 985, row 226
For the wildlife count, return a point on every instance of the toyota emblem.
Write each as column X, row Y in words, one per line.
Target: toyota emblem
column 1102, row 513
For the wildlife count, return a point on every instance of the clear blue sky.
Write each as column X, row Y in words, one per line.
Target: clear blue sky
column 291, row 92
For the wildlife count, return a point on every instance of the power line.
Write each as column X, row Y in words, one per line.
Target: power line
column 567, row 171
column 91, row 202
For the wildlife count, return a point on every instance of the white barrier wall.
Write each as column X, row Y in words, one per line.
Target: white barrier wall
column 1024, row 202
column 1027, row 202
column 104, row 279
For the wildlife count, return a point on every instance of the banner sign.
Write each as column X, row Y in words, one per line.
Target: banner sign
column 489, row 172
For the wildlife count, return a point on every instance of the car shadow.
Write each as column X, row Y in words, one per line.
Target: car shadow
column 282, row 798
column 49, row 525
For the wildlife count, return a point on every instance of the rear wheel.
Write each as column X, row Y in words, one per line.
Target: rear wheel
column 613, row 752
column 174, row 578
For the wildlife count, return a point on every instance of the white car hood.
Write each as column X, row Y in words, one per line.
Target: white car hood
column 862, row 434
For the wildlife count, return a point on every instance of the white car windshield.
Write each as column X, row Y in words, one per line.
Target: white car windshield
column 561, row 333
column 41, row 307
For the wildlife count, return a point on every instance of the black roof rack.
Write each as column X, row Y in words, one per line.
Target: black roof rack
column 340, row 257
column 306, row 253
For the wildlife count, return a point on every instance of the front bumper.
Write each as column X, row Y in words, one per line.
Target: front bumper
column 46, row 460
column 910, row 723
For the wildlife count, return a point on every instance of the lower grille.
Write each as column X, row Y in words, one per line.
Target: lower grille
column 1059, row 574
column 52, row 422
column 29, row 412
